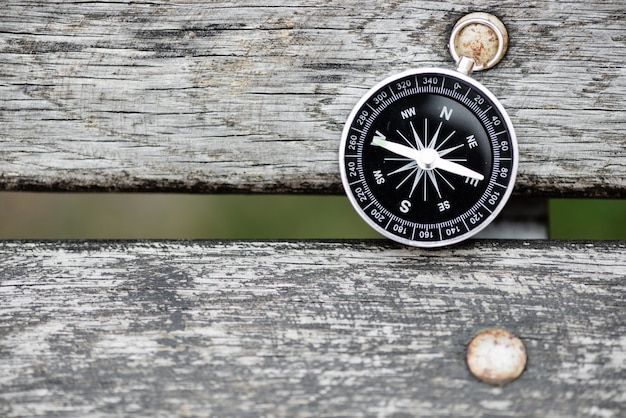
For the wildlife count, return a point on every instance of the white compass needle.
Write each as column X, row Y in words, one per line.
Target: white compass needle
column 458, row 169
column 399, row 149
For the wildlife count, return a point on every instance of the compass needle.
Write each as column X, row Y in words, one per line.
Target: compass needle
column 399, row 149
column 458, row 169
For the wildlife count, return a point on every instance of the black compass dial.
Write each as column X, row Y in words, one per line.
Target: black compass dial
column 428, row 157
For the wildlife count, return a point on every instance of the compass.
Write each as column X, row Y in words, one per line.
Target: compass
column 428, row 157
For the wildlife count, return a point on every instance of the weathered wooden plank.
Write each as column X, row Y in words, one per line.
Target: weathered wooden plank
column 306, row 328
column 251, row 95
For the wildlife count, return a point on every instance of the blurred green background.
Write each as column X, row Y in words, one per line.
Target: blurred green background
column 174, row 216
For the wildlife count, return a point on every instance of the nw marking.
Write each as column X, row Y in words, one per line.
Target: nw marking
column 407, row 113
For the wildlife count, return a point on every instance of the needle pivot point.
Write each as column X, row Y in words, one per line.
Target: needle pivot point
column 429, row 158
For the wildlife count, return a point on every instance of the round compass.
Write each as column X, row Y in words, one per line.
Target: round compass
column 428, row 157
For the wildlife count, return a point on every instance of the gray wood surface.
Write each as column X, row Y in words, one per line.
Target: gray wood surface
column 306, row 328
column 251, row 96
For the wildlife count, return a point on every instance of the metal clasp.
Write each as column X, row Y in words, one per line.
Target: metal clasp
column 478, row 42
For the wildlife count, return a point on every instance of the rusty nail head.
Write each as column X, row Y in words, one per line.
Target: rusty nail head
column 496, row 356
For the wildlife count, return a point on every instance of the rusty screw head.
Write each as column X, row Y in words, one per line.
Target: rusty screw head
column 496, row 356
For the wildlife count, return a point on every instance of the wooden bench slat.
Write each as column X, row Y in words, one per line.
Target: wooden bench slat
column 306, row 328
column 242, row 96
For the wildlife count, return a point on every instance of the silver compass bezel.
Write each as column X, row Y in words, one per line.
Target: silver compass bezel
column 505, row 119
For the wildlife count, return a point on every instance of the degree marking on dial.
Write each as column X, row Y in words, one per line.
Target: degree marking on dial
column 486, row 208
column 368, row 206
column 464, row 224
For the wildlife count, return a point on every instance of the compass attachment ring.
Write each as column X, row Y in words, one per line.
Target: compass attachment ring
column 482, row 37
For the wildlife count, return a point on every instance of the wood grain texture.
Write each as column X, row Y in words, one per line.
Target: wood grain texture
column 306, row 328
column 251, row 96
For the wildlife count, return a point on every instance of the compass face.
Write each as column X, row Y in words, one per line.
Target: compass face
column 428, row 157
